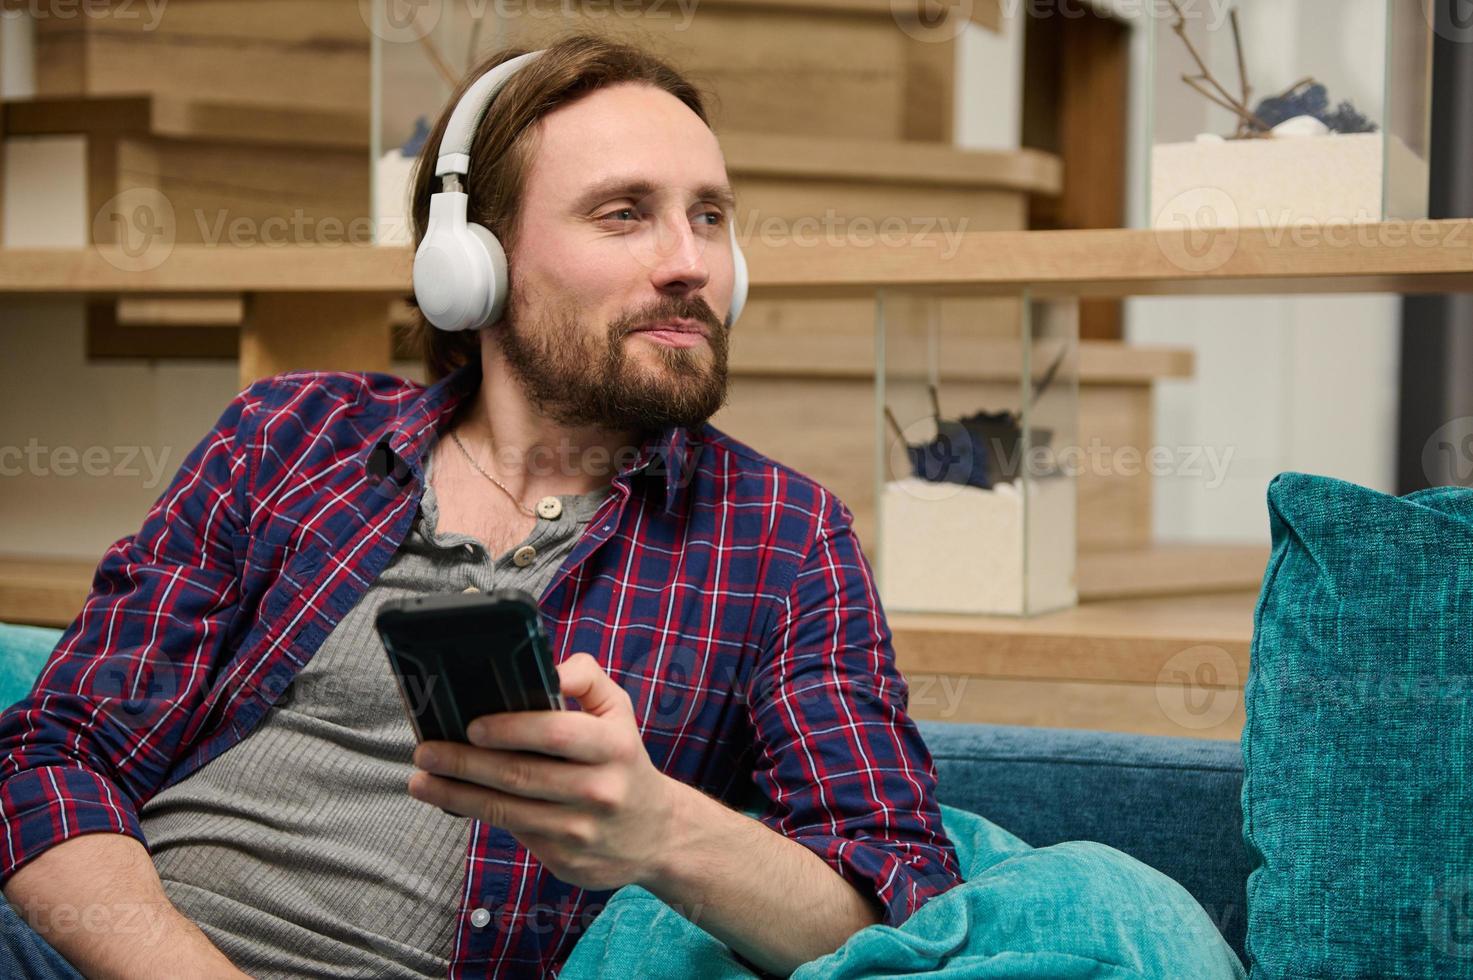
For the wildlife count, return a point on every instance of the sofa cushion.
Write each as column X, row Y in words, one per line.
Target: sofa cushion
column 23, row 652
column 1171, row 803
column 1073, row 911
column 1358, row 744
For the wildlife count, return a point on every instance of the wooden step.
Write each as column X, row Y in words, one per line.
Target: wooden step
column 43, row 591
column 865, row 68
column 1393, row 256
column 1162, row 666
column 1168, row 570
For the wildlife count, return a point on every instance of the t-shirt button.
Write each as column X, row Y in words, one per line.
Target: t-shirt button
column 550, row 508
column 523, row 556
column 480, row 917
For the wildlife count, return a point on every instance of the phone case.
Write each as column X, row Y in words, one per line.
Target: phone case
column 458, row 656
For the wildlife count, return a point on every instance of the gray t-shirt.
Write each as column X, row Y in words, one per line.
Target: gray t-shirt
column 299, row 851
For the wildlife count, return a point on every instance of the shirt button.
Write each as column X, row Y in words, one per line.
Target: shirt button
column 470, row 588
column 550, row 508
column 523, row 556
column 480, row 917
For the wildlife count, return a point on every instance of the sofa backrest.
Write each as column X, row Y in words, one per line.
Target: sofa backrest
column 1172, row 803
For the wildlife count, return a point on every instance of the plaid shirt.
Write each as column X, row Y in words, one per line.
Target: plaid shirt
column 726, row 593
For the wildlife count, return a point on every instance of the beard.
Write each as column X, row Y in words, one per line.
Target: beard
column 580, row 378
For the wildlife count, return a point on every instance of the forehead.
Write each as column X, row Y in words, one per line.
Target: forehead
column 622, row 130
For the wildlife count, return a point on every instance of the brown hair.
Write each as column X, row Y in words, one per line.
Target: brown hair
column 570, row 68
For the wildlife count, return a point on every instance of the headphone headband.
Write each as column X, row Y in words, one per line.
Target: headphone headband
column 455, row 146
column 460, row 278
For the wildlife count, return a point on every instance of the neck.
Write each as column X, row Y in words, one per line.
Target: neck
column 531, row 454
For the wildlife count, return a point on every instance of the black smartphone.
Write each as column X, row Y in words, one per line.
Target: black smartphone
column 462, row 655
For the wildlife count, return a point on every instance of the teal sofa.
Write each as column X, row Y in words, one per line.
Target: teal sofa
column 1172, row 803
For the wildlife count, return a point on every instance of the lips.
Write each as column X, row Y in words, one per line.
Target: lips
column 675, row 326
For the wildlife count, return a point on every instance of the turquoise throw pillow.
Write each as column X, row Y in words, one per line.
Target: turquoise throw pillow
column 23, row 652
column 1074, row 911
column 1358, row 744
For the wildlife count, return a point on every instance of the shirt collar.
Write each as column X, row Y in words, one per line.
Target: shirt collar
column 669, row 454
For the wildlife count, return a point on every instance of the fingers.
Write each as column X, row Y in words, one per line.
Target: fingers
column 582, row 677
column 487, row 805
column 522, row 774
column 571, row 735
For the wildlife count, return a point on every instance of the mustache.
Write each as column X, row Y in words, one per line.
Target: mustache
column 698, row 310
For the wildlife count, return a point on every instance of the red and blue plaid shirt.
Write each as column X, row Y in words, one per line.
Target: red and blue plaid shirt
column 725, row 592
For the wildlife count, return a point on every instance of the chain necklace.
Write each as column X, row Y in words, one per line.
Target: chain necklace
column 470, row 459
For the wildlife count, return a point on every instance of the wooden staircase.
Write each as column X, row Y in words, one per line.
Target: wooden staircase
column 827, row 111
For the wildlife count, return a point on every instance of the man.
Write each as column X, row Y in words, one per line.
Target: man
column 222, row 696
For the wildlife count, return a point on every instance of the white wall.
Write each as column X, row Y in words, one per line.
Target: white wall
column 1283, row 383
column 989, row 96
column 1305, row 384
column 85, row 448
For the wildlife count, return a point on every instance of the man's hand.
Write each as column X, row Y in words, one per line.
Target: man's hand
column 597, row 816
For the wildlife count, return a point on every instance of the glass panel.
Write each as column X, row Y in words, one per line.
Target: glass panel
column 420, row 52
column 977, row 402
column 1310, row 111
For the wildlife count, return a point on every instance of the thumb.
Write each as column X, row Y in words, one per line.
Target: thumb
column 581, row 677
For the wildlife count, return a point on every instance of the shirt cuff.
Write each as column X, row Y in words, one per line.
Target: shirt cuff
column 902, row 878
column 40, row 808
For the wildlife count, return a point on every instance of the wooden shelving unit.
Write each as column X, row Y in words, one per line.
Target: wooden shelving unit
column 1427, row 256
column 1102, row 664
column 1164, row 666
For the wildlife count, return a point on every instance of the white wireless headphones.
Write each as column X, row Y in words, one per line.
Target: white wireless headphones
column 460, row 268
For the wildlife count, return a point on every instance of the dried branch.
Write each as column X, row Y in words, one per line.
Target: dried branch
column 438, row 62
column 899, row 432
column 1220, row 96
column 1242, row 68
column 1244, row 116
column 470, row 53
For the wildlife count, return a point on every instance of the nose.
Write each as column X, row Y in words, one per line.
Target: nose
column 680, row 257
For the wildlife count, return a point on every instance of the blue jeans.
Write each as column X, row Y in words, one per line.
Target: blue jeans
column 24, row 953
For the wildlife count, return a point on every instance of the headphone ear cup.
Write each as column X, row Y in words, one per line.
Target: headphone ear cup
column 459, row 268
column 497, row 286
column 739, row 279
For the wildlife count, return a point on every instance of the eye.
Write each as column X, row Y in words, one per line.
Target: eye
column 720, row 217
column 611, row 214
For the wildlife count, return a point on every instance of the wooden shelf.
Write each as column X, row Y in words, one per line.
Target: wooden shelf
column 1119, row 640
column 43, row 591
column 208, row 269
column 1116, row 640
column 750, row 154
column 186, row 119
column 1397, row 257
column 1116, row 665
column 1390, row 257
column 48, row 591
column 1165, row 666
column 1169, row 569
